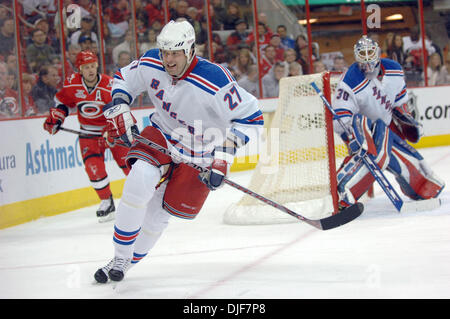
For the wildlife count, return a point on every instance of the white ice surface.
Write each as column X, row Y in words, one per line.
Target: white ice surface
column 382, row 254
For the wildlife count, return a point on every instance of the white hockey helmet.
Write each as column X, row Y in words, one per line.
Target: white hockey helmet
column 178, row 36
column 367, row 55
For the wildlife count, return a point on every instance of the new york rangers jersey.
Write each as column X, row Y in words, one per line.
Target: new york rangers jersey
column 375, row 99
column 89, row 103
column 196, row 112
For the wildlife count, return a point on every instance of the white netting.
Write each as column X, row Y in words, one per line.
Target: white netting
column 298, row 174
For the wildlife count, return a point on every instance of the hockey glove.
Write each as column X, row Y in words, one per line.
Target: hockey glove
column 121, row 124
column 361, row 141
column 55, row 119
column 404, row 124
column 215, row 176
column 108, row 139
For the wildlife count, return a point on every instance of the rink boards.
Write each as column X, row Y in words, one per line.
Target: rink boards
column 43, row 175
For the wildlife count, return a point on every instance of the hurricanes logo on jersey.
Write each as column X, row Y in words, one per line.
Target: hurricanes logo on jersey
column 91, row 109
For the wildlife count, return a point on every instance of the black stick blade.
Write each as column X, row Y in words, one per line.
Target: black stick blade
column 343, row 217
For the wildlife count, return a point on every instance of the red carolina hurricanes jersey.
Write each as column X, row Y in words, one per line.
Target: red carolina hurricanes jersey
column 89, row 104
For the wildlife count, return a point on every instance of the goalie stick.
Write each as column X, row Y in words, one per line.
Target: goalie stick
column 367, row 160
column 343, row 217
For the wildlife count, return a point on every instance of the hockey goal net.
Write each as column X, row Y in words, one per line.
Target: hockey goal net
column 300, row 170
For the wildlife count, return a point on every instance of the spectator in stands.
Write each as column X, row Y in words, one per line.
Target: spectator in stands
column 34, row 10
column 88, row 7
column 218, row 49
column 290, row 55
column 219, row 14
column 319, row 66
column 243, row 62
column 275, row 41
column 447, row 66
column 413, row 43
column 263, row 35
column 85, row 43
column 268, row 59
column 233, row 14
column 52, row 40
column 271, row 81
column 286, row 41
column 39, row 53
column 117, row 16
column 126, row 46
column 249, row 81
column 239, row 37
column 155, row 11
column 387, row 43
column 301, row 47
column 395, row 50
column 436, row 72
column 86, row 29
column 70, row 65
column 9, row 106
column 339, row 64
column 11, row 62
column 29, row 107
column 181, row 12
column 192, row 12
column 124, row 59
column 7, row 41
column 12, row 81
column 295, row 69
column 44, row 91
column 150, row 42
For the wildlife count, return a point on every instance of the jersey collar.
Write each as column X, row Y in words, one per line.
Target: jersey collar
column 189, row 69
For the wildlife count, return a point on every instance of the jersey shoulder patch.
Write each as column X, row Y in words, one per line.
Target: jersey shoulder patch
column 209, row 76
column 355, row 79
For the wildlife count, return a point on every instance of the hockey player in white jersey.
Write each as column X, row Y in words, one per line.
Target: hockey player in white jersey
column 371, row 100
column 201, row 115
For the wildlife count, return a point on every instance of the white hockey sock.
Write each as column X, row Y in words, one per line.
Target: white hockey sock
column 137, row 192
column 155, row 221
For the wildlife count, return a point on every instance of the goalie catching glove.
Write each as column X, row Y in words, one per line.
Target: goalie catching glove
column 55, row 119
column 214, row 177
column 404, row 125
column 121, row 124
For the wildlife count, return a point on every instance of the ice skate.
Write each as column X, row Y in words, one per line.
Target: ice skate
column 101, row 275
column 106, row 210
column 114, row 270
column 119, row 268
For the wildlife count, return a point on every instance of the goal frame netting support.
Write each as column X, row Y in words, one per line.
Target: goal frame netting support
column 298, row 106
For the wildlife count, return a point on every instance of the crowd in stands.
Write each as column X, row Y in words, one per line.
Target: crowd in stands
column 124, row 39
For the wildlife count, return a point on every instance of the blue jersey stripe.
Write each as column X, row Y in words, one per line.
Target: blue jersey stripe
column 197, row 84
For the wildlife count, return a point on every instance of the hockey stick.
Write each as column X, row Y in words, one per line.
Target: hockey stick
column 367, row 160
column 326, row 223
column 76, row 132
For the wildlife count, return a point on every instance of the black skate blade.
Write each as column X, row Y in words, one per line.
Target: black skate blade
column 343, row 217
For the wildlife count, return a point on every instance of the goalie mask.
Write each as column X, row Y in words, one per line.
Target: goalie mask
column 367, row 55
column 177, row 36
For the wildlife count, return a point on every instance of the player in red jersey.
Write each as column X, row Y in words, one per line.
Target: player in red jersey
column 88, row 91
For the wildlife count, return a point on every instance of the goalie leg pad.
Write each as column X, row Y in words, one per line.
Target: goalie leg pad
column 415, row 178
column 185, row 193
column 353, row 177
